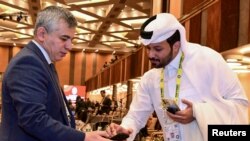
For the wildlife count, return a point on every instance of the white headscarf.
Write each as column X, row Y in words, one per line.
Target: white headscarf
column 163, row 27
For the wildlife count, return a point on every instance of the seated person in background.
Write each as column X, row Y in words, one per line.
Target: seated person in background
column 71, row 106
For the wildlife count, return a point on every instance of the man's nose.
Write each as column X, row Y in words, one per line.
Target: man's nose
column 151, row 54
column 69, row 45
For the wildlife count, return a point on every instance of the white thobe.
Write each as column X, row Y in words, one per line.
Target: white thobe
column 207, row 81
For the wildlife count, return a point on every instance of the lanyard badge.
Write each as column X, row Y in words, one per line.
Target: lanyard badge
column 171, row 128
column 178, row 83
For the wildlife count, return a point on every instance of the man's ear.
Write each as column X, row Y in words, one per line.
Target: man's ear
column 40, row 34
column 176, row 46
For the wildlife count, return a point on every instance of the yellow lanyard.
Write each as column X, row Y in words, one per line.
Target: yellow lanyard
column 178, row 82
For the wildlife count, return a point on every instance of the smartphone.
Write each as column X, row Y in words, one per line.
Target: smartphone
column 171, row 106
column 119, row 137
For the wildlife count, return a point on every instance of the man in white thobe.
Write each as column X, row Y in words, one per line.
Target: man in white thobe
column 196, row 77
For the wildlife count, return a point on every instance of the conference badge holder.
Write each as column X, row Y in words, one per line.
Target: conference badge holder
column 171, row 128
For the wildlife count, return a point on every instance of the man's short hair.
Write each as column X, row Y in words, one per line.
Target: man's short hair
column 174, row 38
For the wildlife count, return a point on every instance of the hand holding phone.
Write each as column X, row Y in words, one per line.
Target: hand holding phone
column 119, row 137
column 171, row 106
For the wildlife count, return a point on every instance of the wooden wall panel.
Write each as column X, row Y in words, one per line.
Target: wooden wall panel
column 195, row 27
column 124, row 70
column 175, row 8
column 71, row 67
column 91, row 85
column 78, row 68
column 145, row 60
column 116, row 73
column 229, row 24
column 128, row 67
column 99, row 81
column 83, row 72
column 101, row 59
column 244, row 19
column 105, row 77
column 249, row 27
column 62, row 68
column 10, row 55
column 223, row 34
column 188, row 5
column 213, row 26
column 16, row 50
column 89, row 65
column 4, row 55
column 136, row 61
column 94, row 63
column 88, row 85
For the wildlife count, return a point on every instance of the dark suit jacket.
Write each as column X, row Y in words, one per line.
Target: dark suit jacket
column 106, row 105
column 32, row 104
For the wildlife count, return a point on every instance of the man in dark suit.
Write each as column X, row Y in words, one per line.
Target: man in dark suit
column 106, row 103
column 34, row 107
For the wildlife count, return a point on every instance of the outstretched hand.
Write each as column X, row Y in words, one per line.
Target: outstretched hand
column 114, row 129
column 96, row 136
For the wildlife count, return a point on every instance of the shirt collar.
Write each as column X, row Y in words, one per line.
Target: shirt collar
column 45, row 54
column 174, row 64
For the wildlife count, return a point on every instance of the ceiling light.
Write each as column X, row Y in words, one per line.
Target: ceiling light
column 232, row 60
column 240, row 67
column 246, row 49
column 10, row 16
column 246, row 59
column 234, row 64
column 242, row 71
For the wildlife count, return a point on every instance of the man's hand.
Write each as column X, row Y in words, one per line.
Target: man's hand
column 114, row 129
column 184, row 116
column 96, row 136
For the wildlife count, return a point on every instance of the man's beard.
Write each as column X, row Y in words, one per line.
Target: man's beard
column 154, row 61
